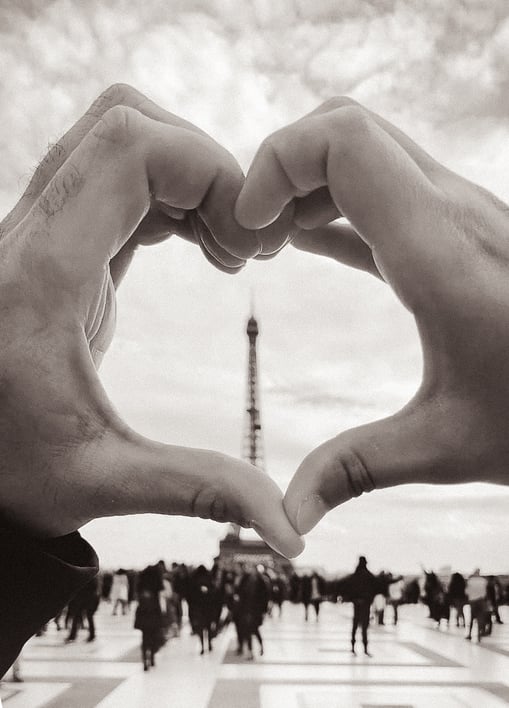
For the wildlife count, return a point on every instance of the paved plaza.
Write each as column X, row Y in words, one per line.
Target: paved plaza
column 305, row 665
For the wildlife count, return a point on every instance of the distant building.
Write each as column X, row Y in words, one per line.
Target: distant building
column 234, row 549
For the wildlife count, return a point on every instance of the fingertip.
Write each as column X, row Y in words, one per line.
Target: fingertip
column 257, row 205
column 225, row 237
column 296, row 548
column 309, row 512
column 278, row 234
column 244, row 213
column 290, row 545
column 245, row 245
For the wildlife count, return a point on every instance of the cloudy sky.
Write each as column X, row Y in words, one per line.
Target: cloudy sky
column 336, row 348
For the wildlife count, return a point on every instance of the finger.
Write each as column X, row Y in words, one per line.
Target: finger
column 315, row 210
column 402, row 449
column 125, row 162
column 371, row 179
column 273, row 254
column 340, row 242
column 423, row 159
column 141, row 476
column 278, row 234
column 229, row 242
column 231, row 178
column 118, row 94
column 156, row 227
column 217, row 255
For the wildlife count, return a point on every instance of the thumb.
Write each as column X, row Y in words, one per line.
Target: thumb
column 143, row 476
column 396, row 450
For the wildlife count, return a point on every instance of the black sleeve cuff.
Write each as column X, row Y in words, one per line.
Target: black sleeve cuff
column 38, row 578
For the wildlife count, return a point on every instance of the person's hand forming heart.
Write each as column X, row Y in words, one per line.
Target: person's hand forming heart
column 442, row 244
column 127, row 173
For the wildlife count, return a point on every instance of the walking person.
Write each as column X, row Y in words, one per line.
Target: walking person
column 120, row 591
column 379, row 605
column 180, row 585
column 494, row 597
column 251, row 605
column 149, row 614
column 457, row 597
column 475, row 590
column 278, row 592
column 360, row 588
column 395, row 596
column 311, row 593
column 305, row 594
column 202, row 607
column 317, row 592
column 84, row 605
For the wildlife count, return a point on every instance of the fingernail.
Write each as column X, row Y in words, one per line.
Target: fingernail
column 290, row 549
column 309, row 513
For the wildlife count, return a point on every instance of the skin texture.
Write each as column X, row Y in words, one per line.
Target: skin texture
column 441, row 243
column 128, row 173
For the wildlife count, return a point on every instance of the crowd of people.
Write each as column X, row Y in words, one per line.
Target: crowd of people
column 243, row 594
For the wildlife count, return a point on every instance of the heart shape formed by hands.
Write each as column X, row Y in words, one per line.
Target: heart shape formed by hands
column 129, row 173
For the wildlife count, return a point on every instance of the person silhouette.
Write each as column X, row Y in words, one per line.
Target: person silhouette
column 360, row 588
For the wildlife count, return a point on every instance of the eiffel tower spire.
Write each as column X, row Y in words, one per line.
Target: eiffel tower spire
column 253, row 442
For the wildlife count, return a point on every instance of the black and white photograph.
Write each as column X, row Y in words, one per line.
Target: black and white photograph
column 254, row 354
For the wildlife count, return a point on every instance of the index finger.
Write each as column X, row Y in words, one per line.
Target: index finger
column 225, row 231
column 99, row 196
column 115, row 95
column 370, row 177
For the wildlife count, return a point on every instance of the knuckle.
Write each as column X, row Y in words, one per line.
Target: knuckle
column 271, row 143
column 276, row 145
column 335, row 102
column 354, row 122
column 118, row 93
column 118, row 125
column 345, row 475
column 114, row 95
column 357, row 476
column 208, row 504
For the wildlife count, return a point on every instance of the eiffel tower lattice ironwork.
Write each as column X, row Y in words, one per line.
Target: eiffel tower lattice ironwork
column 253, row 441
column 236, row 547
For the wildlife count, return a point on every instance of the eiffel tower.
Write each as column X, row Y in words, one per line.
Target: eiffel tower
column 234, row 548
column 253, row 442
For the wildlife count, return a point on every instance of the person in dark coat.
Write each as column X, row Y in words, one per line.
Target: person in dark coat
column 84, row 605
column 149, row 615
column 360, row 588
column 202, row 606
column 435, row 597
column 295, row 588
column 180, row 584
column 278, row 592
column 251, row 602
column 457, row 597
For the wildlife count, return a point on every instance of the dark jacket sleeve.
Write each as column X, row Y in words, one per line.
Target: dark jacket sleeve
column 38, row 578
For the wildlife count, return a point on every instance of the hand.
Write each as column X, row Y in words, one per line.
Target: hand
column 127, row 173
column 442, row 244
